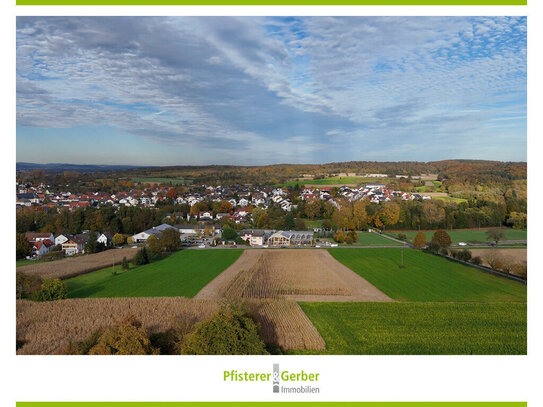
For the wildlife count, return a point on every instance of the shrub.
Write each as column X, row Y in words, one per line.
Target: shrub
column 141, row 257
column 403, row 236
column 229, row 234
column 433, row 247
column 420, row 240
column 442, row 238
column 495, row 260
column 27, row 285
column 339, row 236
column 51, row 289
column 124, row 264
column 230, row 332
column 520, row 269
column 126, row 338
column 351, row 237
column 445, row 252
column 464, row 255
column 476, row 260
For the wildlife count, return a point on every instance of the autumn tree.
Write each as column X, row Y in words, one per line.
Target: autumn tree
column 153, row 243
column 432, row 212
column 442, row 238
column 313, row 208
column 359, row 214
column 118, row 239
column 420, row 240
column 22, row 246
column 171, row 193
column 390, row 213
column 170, row 240
column 339, row 236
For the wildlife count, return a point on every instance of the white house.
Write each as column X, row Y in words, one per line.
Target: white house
column 142, row 237
column 60, row 239
column 104, row 238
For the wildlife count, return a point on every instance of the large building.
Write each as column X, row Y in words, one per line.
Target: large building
column 290, row 238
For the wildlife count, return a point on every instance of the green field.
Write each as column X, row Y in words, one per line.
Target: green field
column 184, row 274
column 373, row 239
column 468, row 236
column 25, row 262
column 420, row 328
column 334, row 181
column 173, row 181
column 427, row 277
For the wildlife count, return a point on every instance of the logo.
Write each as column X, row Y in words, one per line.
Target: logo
column 286, row 381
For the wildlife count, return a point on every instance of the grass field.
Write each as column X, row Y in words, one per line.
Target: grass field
column 420, row 328
column 334, row 181
column 158, row 180
column 184, row 273
column 468, row 236
column 427, row 277
column 373, row 239
column 25, row 262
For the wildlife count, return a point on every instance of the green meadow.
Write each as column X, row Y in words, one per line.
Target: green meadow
column 183, row 274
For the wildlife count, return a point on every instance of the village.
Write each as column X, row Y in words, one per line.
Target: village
column 205, row 230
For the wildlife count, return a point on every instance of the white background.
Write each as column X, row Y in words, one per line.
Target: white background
column 342, row 378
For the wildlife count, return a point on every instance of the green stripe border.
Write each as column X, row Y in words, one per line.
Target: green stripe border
column 271, row 2
column 268, row 404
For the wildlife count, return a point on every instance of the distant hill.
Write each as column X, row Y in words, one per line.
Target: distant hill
column 59, row 167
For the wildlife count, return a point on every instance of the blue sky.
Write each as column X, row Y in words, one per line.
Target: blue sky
column 250, row 91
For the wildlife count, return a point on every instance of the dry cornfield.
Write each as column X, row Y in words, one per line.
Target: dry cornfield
column 45, row 328
column 74, row 266
column 284, row 323
column 286, row 272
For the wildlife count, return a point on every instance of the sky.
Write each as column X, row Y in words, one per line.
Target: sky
column 265, row 90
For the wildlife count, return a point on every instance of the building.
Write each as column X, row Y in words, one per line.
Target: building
column 142, row 237
column 290, row 238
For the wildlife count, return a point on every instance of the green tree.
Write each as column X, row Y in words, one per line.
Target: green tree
column 227, row 333
column 229, row 234
column 442, row 238
column 124, row 264
column 51, row 289
column 141, row 257
column 420, row 240
column 22, row 247
column 299, row 224
column 93, row 246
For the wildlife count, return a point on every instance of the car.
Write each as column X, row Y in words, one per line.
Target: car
column 334, row 245
column 201, row 246
column 317, row 246
column 265, row 246
column 462, row 244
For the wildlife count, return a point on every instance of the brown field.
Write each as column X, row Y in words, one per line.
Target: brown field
column 300, row 275
column 74, row 266
column 45, row 328
column 285, row 324
column 514, row 255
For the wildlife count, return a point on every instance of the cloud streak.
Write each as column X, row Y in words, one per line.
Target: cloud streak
column 265, row 90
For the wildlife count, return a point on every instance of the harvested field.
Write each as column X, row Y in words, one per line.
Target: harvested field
column 300, row 275
column 75, row 266
column 47, row 327
column 516, row 255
